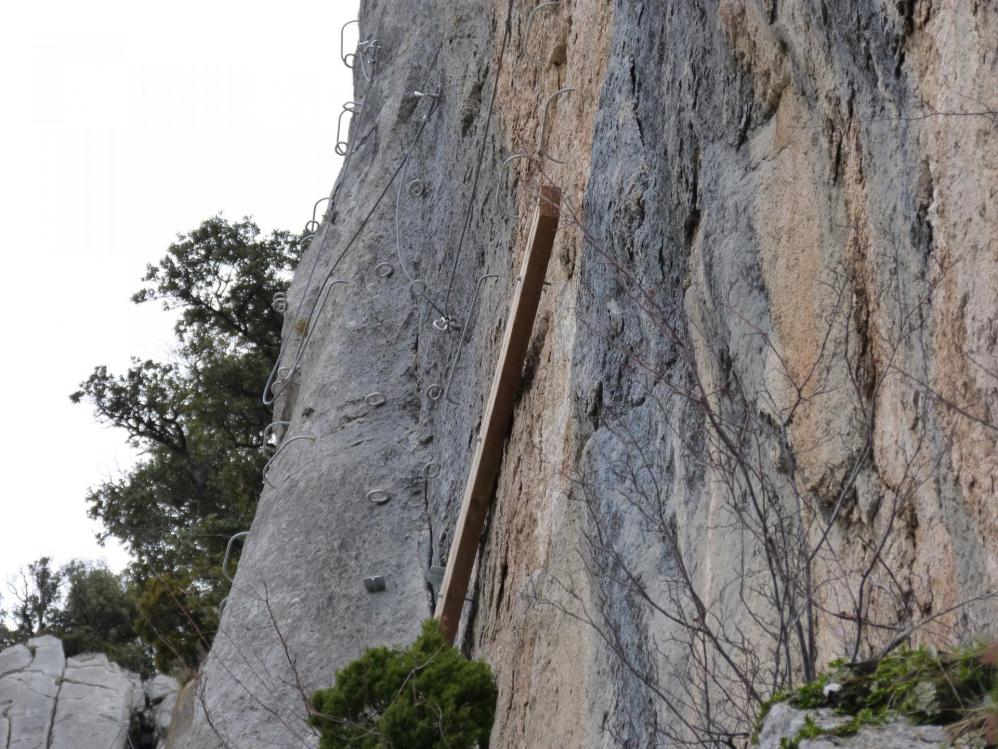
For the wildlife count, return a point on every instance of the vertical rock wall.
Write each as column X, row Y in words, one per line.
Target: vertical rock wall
column 792, row 201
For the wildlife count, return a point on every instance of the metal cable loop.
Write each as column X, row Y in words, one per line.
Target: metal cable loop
column 368, row 50
column 228, row 552
column 416, row 187
column 375, row 399
column 269, row 399
column 493, row 194
column 269, row 396
column 544, row 125
column 268, row 431
column 525, row 39
column 313, row 319
column 504, row 165
column 369, row 61
column 342, row 146
column 378, row 497
column 266, row 468
column 325, row 215
column 446, row 324
column 285, row 373
column 343, row 28
column 507, row 33
column 398, row 218
column 276, row 369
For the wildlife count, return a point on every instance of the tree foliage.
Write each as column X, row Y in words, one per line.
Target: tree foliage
column 426, row 696
column 37, row 593
column 98, row 616
column 177, row 617
column 87, row 606
column 197, row 419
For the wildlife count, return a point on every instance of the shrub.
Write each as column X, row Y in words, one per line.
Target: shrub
column 425, row 696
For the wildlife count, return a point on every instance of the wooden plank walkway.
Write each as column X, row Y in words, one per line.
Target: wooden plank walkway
column 498, row 412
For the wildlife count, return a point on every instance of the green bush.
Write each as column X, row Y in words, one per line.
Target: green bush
column 426, row 696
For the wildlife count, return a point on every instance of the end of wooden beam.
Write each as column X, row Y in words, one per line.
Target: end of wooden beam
column 549, row 201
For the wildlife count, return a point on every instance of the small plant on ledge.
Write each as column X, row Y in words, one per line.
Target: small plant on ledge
column 425, row 696
column 958, row 690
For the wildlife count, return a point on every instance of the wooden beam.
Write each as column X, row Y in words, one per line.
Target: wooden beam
column 498, row 412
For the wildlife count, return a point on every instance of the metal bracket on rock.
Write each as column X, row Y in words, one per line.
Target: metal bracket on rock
column 525, row 41
column 445, row 323
column 315, row 207
column 228, row 553
column 378, row 496
column 268, row 431
column 375, row 399
column 544, row 125
column 503, row 167
column 368, row 49
column 285, row 443
column 342, row 146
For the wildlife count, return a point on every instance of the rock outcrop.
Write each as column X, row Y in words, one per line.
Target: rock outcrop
column 757, row 425
column 48, row 701
column 30, row 677
column 784, row 723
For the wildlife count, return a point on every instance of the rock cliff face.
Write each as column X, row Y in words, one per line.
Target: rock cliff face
column 757, row 425
column 48, row 701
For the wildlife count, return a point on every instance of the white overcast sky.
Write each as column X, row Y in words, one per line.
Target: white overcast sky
column 122, row 124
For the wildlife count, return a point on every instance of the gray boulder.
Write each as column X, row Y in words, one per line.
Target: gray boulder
column 94, row 704
column 28, row 693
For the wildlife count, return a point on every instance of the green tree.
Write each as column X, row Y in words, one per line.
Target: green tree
column 198, row 420
column 426, row 696
column 8, row 636
column 98, row 616
column 37, row 595
column 88, row 607
column 177, row 618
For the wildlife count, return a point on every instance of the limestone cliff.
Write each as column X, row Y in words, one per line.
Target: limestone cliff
column 49, row 701
column 757, row 426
